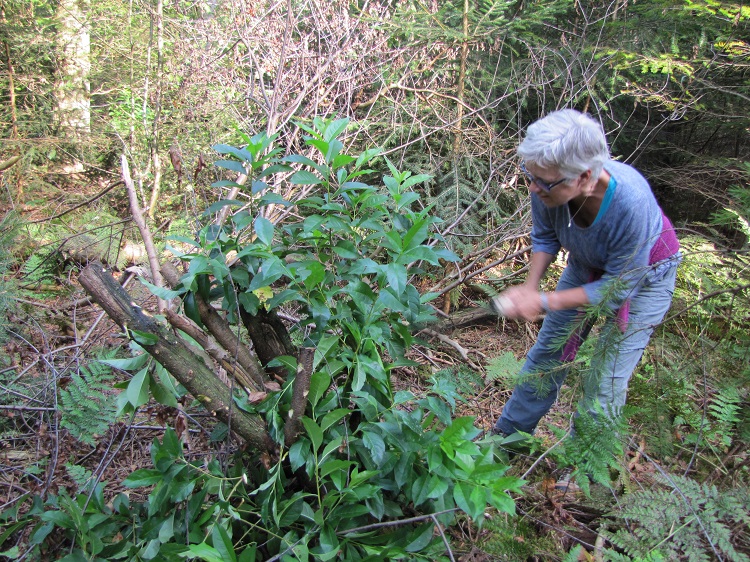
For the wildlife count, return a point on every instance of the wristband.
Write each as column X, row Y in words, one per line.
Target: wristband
column 545, row 301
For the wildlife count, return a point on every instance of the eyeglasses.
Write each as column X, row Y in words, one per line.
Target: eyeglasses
column 533, row 179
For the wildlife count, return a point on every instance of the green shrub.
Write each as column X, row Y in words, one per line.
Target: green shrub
column 375, row 472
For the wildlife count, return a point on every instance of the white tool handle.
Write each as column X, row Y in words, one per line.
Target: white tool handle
column 501, row 305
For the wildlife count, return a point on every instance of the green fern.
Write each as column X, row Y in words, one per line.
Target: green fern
column 596, row 449
column 504, row 367
column 725, row 410
column 41, row 267
column 685, row 520
column 88, row 406
column 459, row 382
column 81, row 475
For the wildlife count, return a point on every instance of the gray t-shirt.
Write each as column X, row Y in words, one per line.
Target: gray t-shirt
column 616, row 246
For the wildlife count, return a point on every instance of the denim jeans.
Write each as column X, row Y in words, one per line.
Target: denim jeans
column 616, row 353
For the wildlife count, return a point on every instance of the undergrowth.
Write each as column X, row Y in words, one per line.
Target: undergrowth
column 87, row 404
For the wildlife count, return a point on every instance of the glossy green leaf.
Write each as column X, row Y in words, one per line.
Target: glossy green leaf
column 144, row 338
column 264, row 229
column 219, row 205
column 205, row 552
column 231, row 165
column 129, row 363
column 303, row 177
column 222, row 543
column 420, row 538
column 162, row 292
column 137, row 391
column 374, row 443
column 319, row 383
column 313, row 432
column 162, row 394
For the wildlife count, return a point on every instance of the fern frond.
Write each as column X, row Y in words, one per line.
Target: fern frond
column 87, row 404
column 685, row 520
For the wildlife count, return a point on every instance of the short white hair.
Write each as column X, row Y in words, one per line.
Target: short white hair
column 567, row 139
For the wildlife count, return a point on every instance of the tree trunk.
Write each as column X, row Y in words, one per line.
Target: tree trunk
column 270, row 336
column 72, row 90
column 156, row 132
column 175, row 355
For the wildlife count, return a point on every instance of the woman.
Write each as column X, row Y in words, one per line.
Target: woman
column 623, row 256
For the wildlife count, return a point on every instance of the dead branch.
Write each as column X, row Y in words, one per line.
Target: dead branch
column 222, row 331
column 82, row 204
column 213, row 350
column 174, row 354
column 462, row 351
column 148, row 241
column 463, row 318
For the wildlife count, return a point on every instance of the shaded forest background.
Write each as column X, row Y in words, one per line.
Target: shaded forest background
column 445, row 89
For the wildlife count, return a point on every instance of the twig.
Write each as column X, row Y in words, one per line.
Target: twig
column 20, row 408
column 88, row 202
column 445, row 540
column 543, row 455
column 148, row 242
column 465, row 278
column 463, row 352
column 397, row 523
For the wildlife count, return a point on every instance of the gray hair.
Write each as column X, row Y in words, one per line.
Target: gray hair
column 567, row 139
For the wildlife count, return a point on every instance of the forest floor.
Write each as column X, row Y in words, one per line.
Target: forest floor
column 55, row 329
column 37, row 458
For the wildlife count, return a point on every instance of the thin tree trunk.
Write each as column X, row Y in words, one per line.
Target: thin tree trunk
column 270, row 336
column 462, row 80
column 155, row 160
column 148, row 241
column 12, row 103
column 222, row 331
column 72, row 89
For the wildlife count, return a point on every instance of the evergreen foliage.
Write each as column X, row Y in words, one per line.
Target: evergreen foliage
column 9, row 228
column 667, row 79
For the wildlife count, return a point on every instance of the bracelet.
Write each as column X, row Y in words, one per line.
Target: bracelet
column 545, row 301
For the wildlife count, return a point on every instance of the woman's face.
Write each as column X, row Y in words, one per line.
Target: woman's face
column 560, row 192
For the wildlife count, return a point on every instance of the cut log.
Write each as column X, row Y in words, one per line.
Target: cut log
column 175, row 355
column 463, row 318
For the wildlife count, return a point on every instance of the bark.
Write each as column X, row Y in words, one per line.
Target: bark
column 175, row 355
column 72, row 90
column 270, row 336
column 213, row 350
column 299, row 394
column 463, row 318
column 222, row 331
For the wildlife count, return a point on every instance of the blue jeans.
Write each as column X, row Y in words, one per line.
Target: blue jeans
column 616, row 353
